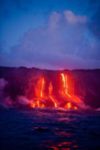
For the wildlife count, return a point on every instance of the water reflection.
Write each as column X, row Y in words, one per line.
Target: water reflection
column 64, row 145
column 60, row 130
column 59, row 139
column 56, row 129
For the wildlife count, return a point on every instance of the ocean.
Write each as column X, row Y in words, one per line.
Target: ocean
column 49, row 129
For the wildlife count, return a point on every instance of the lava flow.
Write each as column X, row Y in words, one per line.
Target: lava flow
column 39, row 93
column 46, row 97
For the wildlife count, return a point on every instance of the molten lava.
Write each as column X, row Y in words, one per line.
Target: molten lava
column 39, row 93
column 39, row 90
column 51, row 95
column 46, row 97
column 64, row 85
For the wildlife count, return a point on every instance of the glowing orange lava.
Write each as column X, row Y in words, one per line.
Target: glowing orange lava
column 64, row 85
column 39, row 92
column 43, row 98
column 51, row 95
column 65, row 91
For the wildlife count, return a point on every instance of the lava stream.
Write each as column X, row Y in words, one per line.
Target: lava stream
column 43, row 98
column 51, row 96
column 39, row 92
column 70, row 97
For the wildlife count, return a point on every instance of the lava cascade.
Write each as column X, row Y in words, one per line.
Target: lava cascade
column 45, row 97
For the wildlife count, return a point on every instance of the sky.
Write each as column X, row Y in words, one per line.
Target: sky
column 51, row 34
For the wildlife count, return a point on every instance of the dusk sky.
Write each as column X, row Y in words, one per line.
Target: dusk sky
column 52, row 34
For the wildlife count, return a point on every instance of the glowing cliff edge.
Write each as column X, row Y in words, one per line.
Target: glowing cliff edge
column 45, row 97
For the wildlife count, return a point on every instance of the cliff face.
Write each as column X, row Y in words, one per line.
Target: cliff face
column 85, row 84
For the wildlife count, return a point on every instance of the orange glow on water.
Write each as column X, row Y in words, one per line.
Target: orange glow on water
column 46, row 97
